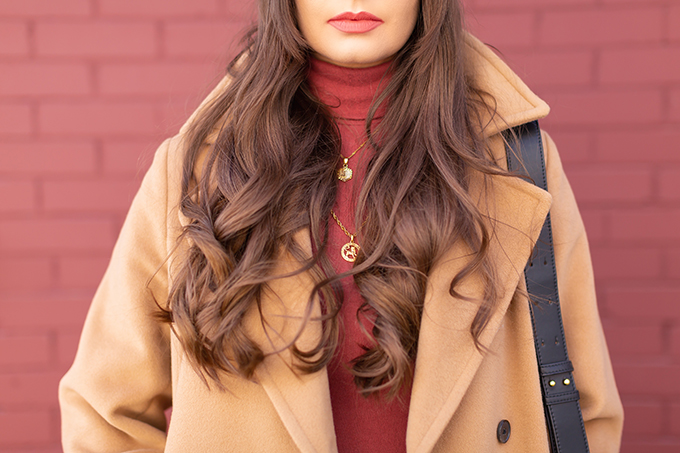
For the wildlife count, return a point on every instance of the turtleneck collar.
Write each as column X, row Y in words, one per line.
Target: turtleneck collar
column 349, row 92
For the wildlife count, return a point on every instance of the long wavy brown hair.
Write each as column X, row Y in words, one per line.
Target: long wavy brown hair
column 269, row 173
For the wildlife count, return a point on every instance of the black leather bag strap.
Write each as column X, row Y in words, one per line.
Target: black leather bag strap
column 560, row 397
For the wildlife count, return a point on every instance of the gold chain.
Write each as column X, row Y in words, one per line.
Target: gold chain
column 349, row 251
column 342, row 227
column 345, row 173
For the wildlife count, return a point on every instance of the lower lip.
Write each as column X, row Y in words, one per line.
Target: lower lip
column 355, row 26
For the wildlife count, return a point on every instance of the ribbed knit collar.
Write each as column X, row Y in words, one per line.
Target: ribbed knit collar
column 349, row 92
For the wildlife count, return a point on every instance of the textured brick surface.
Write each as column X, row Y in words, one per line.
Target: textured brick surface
column 89, row 196
column 602, row 184
column 96, row 39
column 97, row 118
column 606, row 107
column 44, row 79
column 13, row 38
column 89, row 88
column 45, row 8
column 644, row 65
column 158, row 8
column 606, row 26
column 152, row 79
column 644, row 418
column 15, row 120
column 54, row 157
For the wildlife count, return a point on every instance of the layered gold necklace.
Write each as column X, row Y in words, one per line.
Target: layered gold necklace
column 349, row 251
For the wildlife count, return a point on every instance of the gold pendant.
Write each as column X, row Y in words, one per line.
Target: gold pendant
column 345, row 173
column 350, row 251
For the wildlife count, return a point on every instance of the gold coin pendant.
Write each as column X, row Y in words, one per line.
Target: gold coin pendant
column 350, row 252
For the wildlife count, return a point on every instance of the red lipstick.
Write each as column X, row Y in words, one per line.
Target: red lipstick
column 361, row 22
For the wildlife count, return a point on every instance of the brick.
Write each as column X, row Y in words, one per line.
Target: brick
column 656, row 225
column 202, row 38
column 89, row 196
column 505, row 30
column 626, row 263
column 43, row 235
column 669, row 184
column 20, row 272
column 675, row 418
column 603, row 26
column 646, row 446
column 54, row 449
column 651, row 144
column 96, row 39
column 643, row 303
column 609, row 185
column 28, row 428
column 640, row 65
column 15, row 119
column 153, row 79
column 50, row 311
column 97, row 118
column 658, row 380
column 554, row 68
column 85, row 272
column 494, row 4
column 574, row 147
column 17, row 196
column 67, row 345
column 606, row 107
column 41, row 79
column 675, row 342
column 245, row 10
column 594, row 221
column 625, row 340
column 47, row 158
column 673, row 263
column 157, row 8
column 127, row 157
column 29, row 388
column 24, row 350
column 33, row 8
column 675, row 105
column 674, row 23
column 13, row 39
column 643, row 418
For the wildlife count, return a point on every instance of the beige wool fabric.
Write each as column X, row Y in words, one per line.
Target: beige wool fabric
column 129, row 368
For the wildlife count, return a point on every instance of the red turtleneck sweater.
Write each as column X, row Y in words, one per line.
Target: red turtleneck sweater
column 361, row 424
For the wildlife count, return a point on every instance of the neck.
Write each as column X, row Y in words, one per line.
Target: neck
column 348, row 92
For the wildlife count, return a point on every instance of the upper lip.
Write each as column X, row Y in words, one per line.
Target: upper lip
column 362, row 15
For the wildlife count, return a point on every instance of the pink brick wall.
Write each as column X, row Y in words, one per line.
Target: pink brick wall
column 88, row 89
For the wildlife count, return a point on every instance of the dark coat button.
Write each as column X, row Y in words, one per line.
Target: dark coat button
column 503, row 431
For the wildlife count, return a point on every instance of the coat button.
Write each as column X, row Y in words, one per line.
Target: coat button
column 503, row 431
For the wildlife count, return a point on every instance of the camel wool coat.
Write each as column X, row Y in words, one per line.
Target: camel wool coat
column 130, row 368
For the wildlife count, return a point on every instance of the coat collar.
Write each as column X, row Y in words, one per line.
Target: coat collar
column 447, row 358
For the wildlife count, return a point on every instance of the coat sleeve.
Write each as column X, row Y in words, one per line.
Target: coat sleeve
column 114, row 396
column 593, row 375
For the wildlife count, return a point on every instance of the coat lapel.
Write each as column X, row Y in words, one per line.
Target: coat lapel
column 447, row 357
column 302, row 401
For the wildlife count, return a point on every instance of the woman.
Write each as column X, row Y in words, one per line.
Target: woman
column 345, row 252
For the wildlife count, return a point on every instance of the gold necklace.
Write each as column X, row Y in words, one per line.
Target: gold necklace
column 349, row 251
column 345, row 173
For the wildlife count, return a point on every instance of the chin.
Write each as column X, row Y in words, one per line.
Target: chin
column 355, row 61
